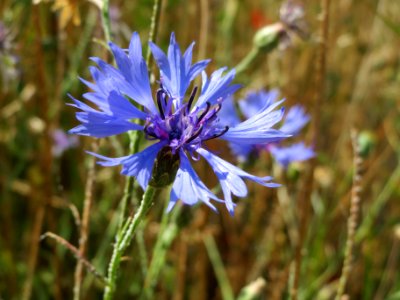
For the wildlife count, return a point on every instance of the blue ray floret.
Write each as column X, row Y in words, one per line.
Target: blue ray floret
column 296, row 152
column 252, row 107
column 180, row 118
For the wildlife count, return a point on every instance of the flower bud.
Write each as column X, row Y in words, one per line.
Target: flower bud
column 267, row 38
column 165, row 168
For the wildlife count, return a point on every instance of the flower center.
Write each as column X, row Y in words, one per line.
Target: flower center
column 182, row 126
column 175, row 134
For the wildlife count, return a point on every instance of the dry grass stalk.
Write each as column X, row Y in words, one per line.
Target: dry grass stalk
column 75, row 251
column 45, row 161
column 353, row 217
column 304, row 196
column 84, row 229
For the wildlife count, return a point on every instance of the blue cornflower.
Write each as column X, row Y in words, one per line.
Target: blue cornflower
column 296, row 152
column 177, row 121
column 294, row 120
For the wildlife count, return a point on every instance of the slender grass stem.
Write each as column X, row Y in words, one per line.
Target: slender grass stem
column 123, row 240
column 44, row 189
column 391, row 184
column 216, row 261
column 352, row 220
column 168, row 231
column 76, row 252
column 305, row 193
column 84, row 230
column 155, row 18
column 105, row 20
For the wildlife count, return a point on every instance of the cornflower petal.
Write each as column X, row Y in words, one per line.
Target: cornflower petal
column 133, row 69
column 228, row 112
column 216, row 87
column 139, row 165
column 188, row 187
column 257, row 129
column 295, row 120
column 176, row 70
column 230, row 179
column 111, row 121
column 257, row 101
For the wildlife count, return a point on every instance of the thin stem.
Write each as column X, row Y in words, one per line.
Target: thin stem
column 168, row 231
column 128, row 189
column 123, row 240
column 224, row 45
column 390, row 271
column 204, row 26
column 105, row 20
column 379, row 203
column 247, row 60
column 352, row 220
column 155, row 18
column 90, row 180
column 78, row 53
column 305, row 193
column 44, row 190
column 84, row 232
column 75, row 251
column 142, row 251
column 216, row 261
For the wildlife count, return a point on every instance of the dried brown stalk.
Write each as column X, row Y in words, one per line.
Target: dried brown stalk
column 353, row 217
column 44, row 189
column 182, row 267
column 204, row 26
column 305, row 193
column 84, row 232
column 75, row 251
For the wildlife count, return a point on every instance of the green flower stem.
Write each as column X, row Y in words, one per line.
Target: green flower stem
column 123, row 240
column 155, row 18
column 219, row 269
column 168, row 231
column 105, row 20
column 247, row 60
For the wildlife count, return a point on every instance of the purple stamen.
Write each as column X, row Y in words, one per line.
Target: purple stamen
column 160, row 94
column 195, row 135
column 214, row 112
column 204, row 112
column 191, row 98
column 217, row 134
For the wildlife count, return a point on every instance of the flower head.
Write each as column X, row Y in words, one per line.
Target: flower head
column 294, row 120
column 178, row 121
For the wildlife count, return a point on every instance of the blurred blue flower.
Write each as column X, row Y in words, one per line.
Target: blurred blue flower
column 62, row 142
column 177, row 122
column 296, row 152
column 294, row 120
